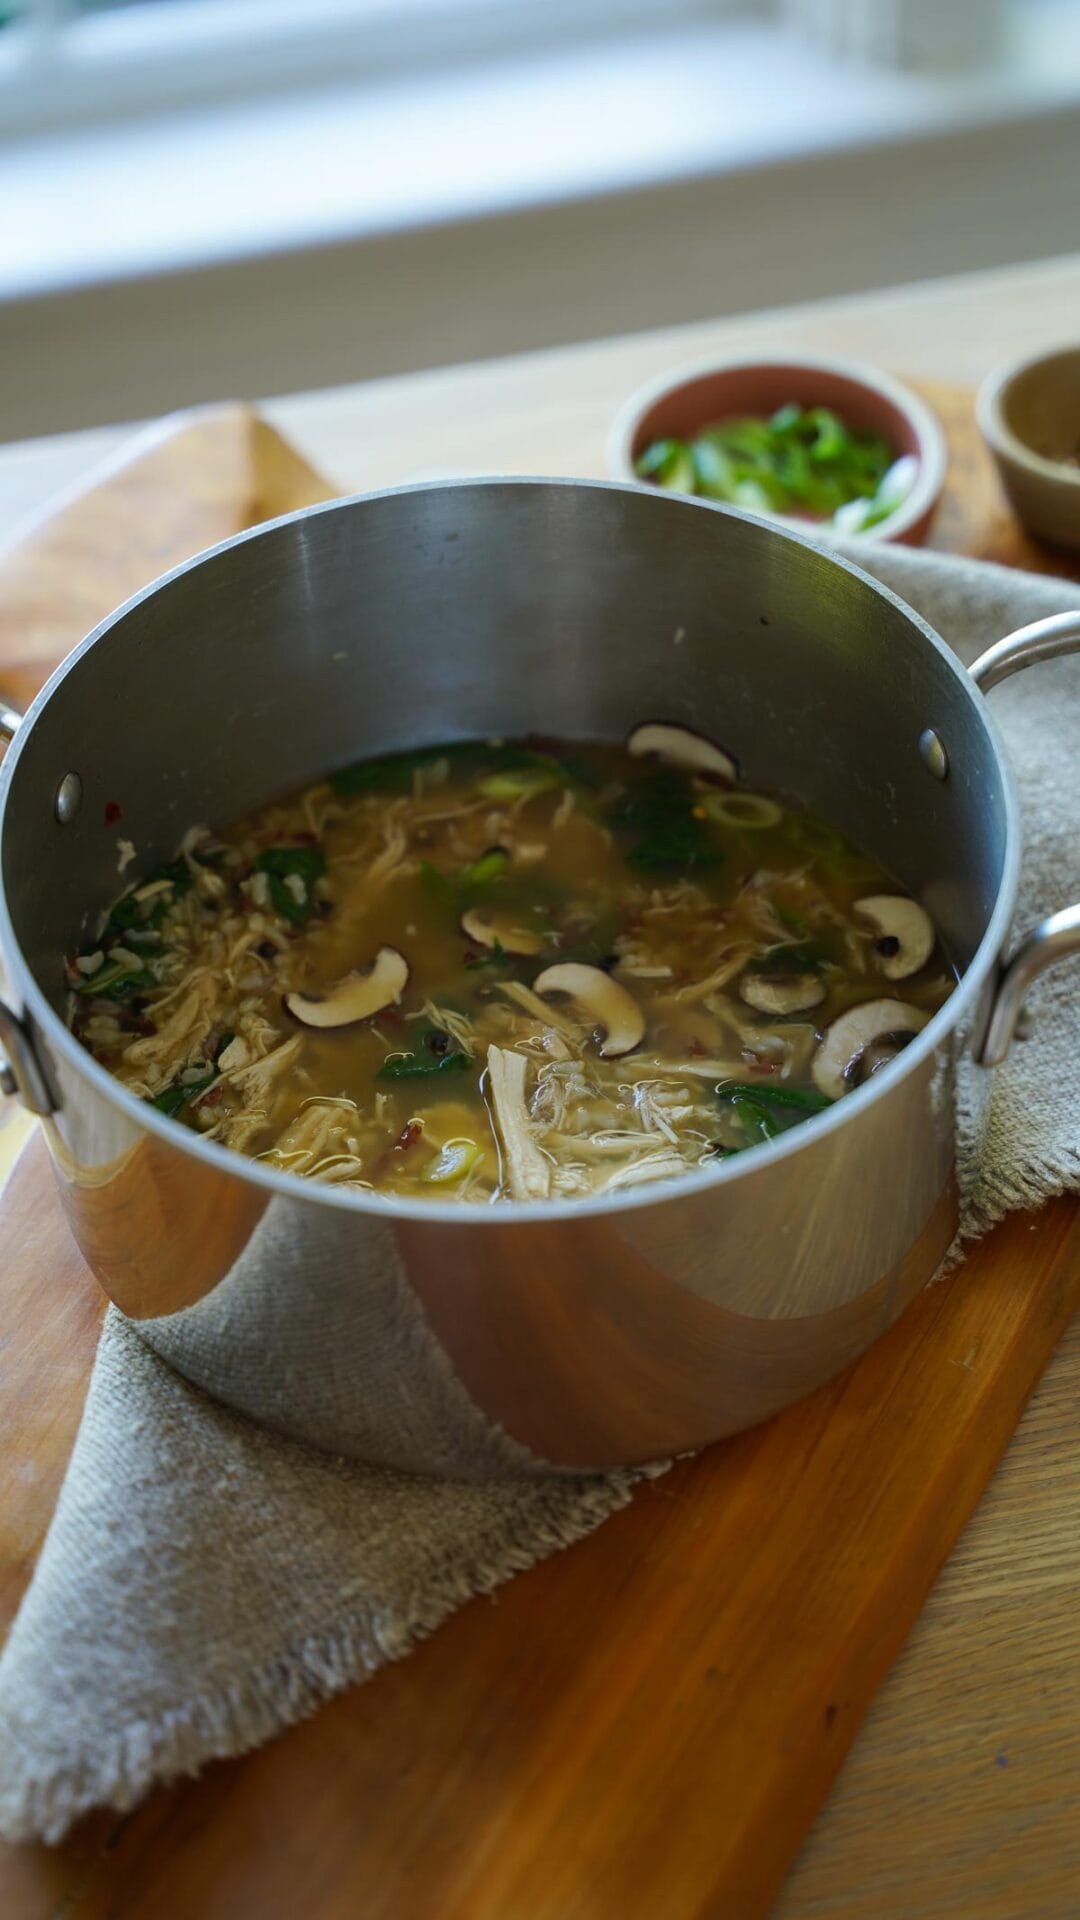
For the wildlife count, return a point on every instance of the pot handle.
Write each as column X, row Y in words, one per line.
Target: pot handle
column 1057, row 937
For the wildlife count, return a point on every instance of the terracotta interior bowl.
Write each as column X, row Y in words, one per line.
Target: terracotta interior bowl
column 679, row 405
column 1029, row 416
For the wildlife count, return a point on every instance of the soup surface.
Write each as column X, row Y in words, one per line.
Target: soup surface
column 509, row 970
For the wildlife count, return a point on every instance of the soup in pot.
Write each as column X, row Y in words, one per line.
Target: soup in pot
column 494, row 970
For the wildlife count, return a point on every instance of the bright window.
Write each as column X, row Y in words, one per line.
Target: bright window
column 78, row 60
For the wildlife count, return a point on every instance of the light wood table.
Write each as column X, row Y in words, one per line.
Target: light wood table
column 961, row 1795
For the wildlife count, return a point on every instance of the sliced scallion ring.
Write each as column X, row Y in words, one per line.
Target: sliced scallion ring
column 452, row 1163
column 749, row 810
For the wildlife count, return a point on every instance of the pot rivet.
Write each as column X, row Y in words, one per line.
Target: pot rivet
column 68, row 798
column 933, row 755
column 8, row 1082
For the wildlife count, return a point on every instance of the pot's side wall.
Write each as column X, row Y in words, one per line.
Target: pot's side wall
column 592, row 1339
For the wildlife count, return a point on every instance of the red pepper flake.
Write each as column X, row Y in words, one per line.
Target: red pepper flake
column 409, row 1135
column 114, row 813
column 698, row 1049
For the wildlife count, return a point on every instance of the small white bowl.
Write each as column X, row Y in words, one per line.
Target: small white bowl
column 682, row 403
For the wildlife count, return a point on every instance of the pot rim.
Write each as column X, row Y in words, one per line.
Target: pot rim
column 843, row 1113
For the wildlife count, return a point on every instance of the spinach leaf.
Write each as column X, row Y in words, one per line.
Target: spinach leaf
column 114, row 980
column 493, row 956
column 305, row 863
column 432, row 1052
column 805, row 1099
column 659, row 811
column 764, row 1110
column 791, row 921
column 175, row 1098
column 755, row 1119
column 132, row 912
column 803, row 956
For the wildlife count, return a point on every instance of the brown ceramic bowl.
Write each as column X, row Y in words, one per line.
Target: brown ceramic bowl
column 681, row 404
column 1029, row 416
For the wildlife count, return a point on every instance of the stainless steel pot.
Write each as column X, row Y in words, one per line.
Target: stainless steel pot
column 594, row 1332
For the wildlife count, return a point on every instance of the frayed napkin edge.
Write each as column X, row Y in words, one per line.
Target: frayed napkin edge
column 244, row 1715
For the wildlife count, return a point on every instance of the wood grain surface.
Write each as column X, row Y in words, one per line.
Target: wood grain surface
column 646, row 1725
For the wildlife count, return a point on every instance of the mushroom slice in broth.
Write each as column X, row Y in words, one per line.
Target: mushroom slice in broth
column 494, row 928
column 607, row 1006
column 863, row 1040
column 684, row 748
column 782, row 992
column 358, row 996
column 905, row 936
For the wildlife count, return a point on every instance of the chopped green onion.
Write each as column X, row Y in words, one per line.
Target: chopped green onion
column 801, row 461
column 452, row 1163
column 750, row 810
column 490, row 866
column 522, row 784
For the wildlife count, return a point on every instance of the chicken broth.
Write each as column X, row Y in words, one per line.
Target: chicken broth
column 509, row 971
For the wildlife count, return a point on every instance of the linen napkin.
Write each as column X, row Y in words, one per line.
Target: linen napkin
column 144, row 1648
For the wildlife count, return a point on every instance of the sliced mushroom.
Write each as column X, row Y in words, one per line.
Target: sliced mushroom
column 602, row 1000
column 782, row 992
column 357, row 997
column 905, row 933
column 682, row 747
column 494, row 927
column 528, row 1173
column 861, row 1040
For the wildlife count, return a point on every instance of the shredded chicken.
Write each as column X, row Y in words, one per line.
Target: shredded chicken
column 178, row 1041
column 527, row 1171
column 549, row 1017
column 731, row 965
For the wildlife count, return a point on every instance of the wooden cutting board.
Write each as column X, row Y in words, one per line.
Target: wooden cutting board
column 644, row 1726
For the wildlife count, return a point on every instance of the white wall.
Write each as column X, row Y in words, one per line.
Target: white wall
column 767, row 236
